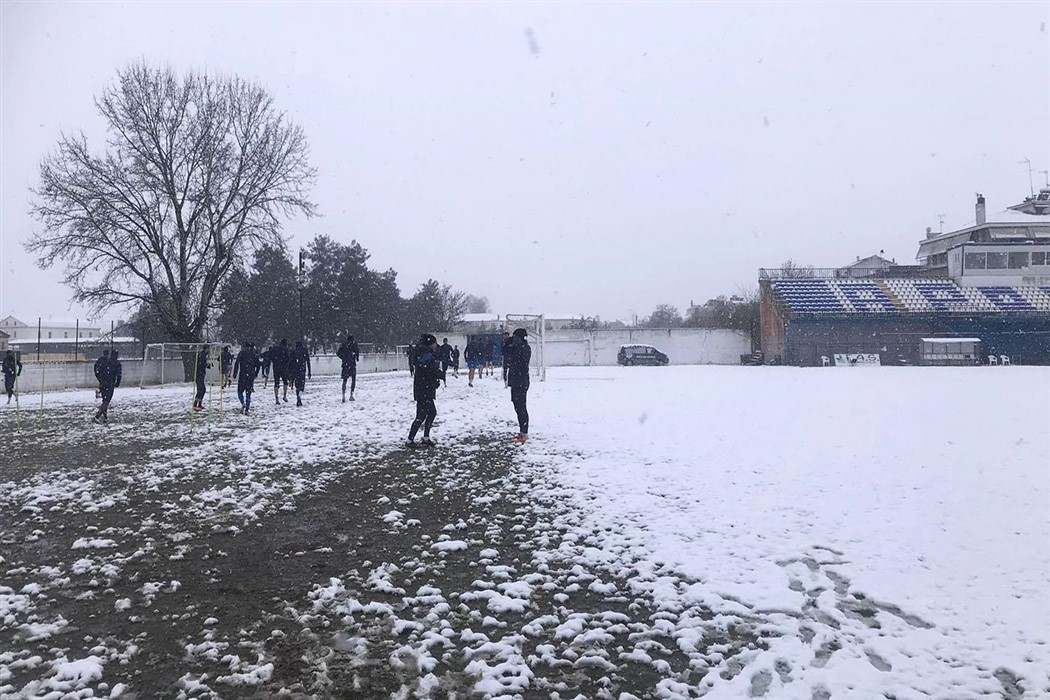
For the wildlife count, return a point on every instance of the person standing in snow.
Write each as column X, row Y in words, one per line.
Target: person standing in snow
column 300, row 370
column 111, row 373
column 455, row 361
column 516, row 360
column 445, row 356
column 200, row 373
column 349, row 353
column 280, row 360
column 225, row 366
column 265, row 358
column 425, row 381
column 12, row 367
column 475, row 360
column 245, row 369
column 102, row 359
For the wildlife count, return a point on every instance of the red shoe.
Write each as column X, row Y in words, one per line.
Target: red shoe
column 198, row 408
column 521, row 438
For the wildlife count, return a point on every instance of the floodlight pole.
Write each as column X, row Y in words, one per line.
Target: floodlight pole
column 301, row 267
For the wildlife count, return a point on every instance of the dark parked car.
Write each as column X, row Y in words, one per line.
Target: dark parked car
column 640, row 355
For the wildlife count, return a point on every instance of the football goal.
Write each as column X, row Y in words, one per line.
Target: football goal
column 537, row 330
column 176, row 363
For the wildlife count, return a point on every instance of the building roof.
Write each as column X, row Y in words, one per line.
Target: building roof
column 479, row 318
column 73, row 341
column 4, row 335
column 45, row 323
column 872, row 261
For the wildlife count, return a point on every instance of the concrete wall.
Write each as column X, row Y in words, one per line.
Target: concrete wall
column 683, row 346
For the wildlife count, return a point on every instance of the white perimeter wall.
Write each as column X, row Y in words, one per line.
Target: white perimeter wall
column 564, row 348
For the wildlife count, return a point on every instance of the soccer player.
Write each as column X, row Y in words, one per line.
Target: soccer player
column 245, row 369
column 516, row 360
column 226, row 365
column 109, row 379
column 445, row 356
column 12, row 367
column 455, row 361
column 425, row 381
column 265, row 358
column 98, row 367
column 200, row 372
column 475, row 360
column 280, row 358
column 349, row 353
column 300, row 370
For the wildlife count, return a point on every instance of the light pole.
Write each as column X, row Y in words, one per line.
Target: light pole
column 302, row 267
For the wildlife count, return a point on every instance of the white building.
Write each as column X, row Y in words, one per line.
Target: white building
column 49, row 330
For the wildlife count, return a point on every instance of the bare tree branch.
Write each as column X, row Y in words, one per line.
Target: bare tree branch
column 196, row 174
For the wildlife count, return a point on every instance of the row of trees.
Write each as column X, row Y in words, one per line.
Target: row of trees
column 340, row 294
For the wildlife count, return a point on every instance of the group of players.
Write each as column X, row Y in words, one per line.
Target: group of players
column 428, row 364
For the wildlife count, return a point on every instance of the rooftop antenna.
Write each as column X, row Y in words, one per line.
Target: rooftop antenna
column 941, row 218
column 1028, row 162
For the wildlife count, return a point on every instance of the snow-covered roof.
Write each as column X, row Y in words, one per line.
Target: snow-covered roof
column 951, row 340
column 478, row 318
column 72, row 341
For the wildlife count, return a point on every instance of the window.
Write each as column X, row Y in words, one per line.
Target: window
column 1039, row 258
column 975, row 261
column 49, row 334
column 1018, row 261
column 996, row 261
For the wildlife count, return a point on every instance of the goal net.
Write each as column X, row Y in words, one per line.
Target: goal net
column 537, row 330
column 176, row 363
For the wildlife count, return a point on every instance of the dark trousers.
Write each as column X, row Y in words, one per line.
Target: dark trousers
column 201, row 391
column 426, row 412
column 518, row 397
column 9, row 384
column 350, row 372
column 107, row 395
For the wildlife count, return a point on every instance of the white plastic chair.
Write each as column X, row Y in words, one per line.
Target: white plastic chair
column 1004, row 360
column 825, row 361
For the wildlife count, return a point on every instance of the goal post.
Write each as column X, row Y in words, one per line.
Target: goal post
column 173, row 363
column 537, row 329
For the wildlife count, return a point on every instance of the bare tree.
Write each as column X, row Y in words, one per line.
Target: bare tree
column 789, row 269
column 476, row 305
column 453, row 306
column 665, row 316
column 195, row 175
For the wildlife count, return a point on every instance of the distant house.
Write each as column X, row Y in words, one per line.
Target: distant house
column 48, row 330
column 872, row 262
column 3, row 341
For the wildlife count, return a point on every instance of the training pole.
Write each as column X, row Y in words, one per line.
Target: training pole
column 196, row 361
column 222, row 383
column 211, row 387
column 43, row 366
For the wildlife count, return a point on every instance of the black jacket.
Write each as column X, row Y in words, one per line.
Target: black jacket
column 299, row 363
column 12, row 361
column 247, row 365
column 280, row 357
column 202, row 364
column 517, row 356
column 472, row 352
column 265, row 358
column 445, row 352
column 428, row 374
column 98, row 366
column 109, row 374
column 226, row 358
column 349, row 353
column 455, row 355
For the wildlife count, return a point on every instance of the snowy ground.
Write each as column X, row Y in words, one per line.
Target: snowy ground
column 723, row 532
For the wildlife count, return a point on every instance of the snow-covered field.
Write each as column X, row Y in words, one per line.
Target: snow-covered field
column 721, row 532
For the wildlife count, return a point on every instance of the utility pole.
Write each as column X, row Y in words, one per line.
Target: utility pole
column 38, row 339
column 1028, row 162
column 302, row 268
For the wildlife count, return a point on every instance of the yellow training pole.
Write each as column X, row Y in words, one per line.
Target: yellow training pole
column 196, row 361
column 222, row 384
column 211, row 386
column 43, row 366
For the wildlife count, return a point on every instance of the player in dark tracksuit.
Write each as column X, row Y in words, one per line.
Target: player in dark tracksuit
column 226, row 365
column 475, row 360
column 98, row 367
column 265, row 359
column 109, row 375
column 445, row 356
column 425, row 381
column 299, row 366
column 455, row 361
column 349, row 353
column 12, row 367
column 516, row 359
column 245, row 369
column 280, row 360
column 200, row 372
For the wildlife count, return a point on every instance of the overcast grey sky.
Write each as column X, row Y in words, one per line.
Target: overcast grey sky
column 632, row 154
